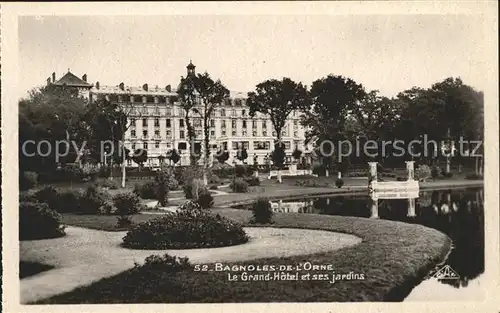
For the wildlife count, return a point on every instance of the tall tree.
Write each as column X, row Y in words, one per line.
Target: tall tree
column 188, row 99
column 277, row 99
column 332, row 98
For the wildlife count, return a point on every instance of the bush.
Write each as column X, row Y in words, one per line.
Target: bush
column 311, row 183
column 214, row 187
column 93, row 199
column 166, row 263
column 239, row 170
column 28, row 180
column 185, row 229
column 319, row 169
column 90, row 173
column 190, row 205
column 72, row 172
column 339, row 182
column 252, row 181
column 126, row 203
column 239, row 185
column 187, row 174
column 358, row 174
column 448, row 175
column 123, row 221
column 107, row 209
column 192, row 188
column 111, row 184
column 104, row 172
column 205, row 199
column 214, row 179
column 262, row 212
column 146, row 190
column 68, row 201
column 473, row 176
column 38, row 221
column 162, row 181
column 423, row 172
column 47, row 195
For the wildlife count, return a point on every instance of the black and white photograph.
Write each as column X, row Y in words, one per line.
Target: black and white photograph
column 168, row 158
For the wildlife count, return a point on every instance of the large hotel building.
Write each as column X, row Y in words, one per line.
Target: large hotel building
column 158, row 125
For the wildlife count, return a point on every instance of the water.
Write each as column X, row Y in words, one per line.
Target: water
column 459, row 213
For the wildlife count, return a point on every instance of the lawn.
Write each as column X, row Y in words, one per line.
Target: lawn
column 393, row 257
column 27, row 269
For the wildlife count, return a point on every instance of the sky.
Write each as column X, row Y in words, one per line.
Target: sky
column 389, row 53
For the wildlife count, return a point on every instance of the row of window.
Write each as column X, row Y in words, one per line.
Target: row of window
column 198, row 123
column 257, row 145
column 199, row 133
column 159, row 99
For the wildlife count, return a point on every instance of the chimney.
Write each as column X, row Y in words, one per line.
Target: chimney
column 168, row 88
column 48, row 81
column 54, row 77
column 97, row 85
column 84, row 77
column 145, row 87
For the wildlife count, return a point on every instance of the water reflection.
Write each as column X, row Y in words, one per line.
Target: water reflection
column 458, row 213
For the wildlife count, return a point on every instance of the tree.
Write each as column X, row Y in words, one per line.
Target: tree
column 278, row 157
column 173, row 156
column 140, row 156
column 332, row 98
column 242, row 154
column 297, row 154
column 222, row 156
column 277, row 99
column 187, row 98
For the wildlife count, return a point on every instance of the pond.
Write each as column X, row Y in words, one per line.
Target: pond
column 458, row 213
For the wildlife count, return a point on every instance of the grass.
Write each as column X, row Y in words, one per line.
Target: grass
column 393, row 257
column 27, row 269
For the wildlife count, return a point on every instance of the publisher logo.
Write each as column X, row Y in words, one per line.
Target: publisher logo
column 446, row 272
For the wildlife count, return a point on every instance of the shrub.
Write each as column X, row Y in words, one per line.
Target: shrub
column 240, row 170
column 239, row 185
column 189, row 173
column 123, row 221
column 104, row 172
column 423, row 172
column 93, row 199
column 262, row 212
column 448, row 175
column 72, row 172
column 319, row 169
column 162, row 181
column 165, row 263
column 339, row 182
column 214, row 187
column 146, row 190
column 473, row 176
column 28, row 180
column 106, row 183
column 190, row 205
column 126, row 203
column 311, row 183
column 91, row 173
column 358, row 174
column 185, row 229
column 435, row 172
column 205, row 199
column 214, row 179
column 38, row 221
column 107, row 209
column 47, row 195
column 252, row 181
column 193, row 188
column 68, row 201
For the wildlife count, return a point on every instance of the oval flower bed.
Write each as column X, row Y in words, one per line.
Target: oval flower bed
column 186, row 229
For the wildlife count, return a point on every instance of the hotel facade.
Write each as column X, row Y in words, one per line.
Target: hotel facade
column 157, row 122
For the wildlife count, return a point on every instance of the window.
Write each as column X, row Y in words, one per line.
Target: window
column 144, row 122
column 223, row 123
column 223, row 132
column 227, row 102
column 197, row 122
column 181, row 134
column 157, row 110
column 235, row 145
column 287, row 145
column 254, row 133
column 168, row 122
column 237, row 102
column 295, row 134
column 254, row 124
column 295, row 123
column 145, row 146
column 182, row 146
column 198, row 133
column 157, row 133
column 233, row 123
column 212, row 123
column 131, row 98
column 274, row 133
column 233, row 113
column 222, row 112
column 261, row 145
column 133, row 146
column 144, row 133
column 132, row 122
column 264, row 132
column 181, row 123
column 144, row 110
column 243, row 112
column 132, row 133
column 169, row 134
column 157, row 144
column 233, row 133
column 245, row 144
column 244, row 133
column 244, row 124
column 264, row 125
column 283, row 133
column 157, row 122
column 212, row 133
column 144, row 99
column 169, row 112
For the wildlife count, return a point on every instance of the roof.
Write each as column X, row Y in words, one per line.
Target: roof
column 70, row 79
